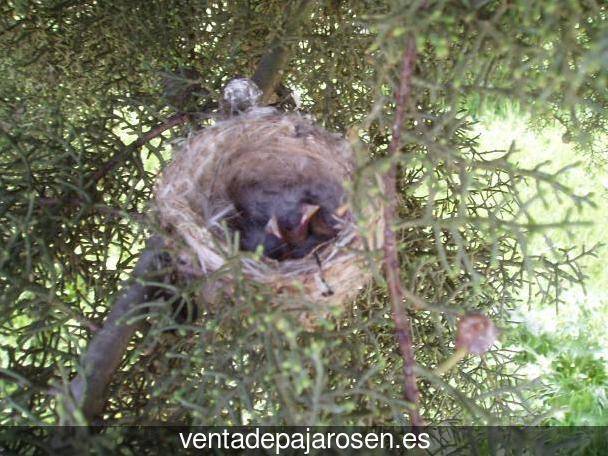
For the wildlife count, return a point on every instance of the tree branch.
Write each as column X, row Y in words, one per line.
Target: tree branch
column 118, row 158
column 270, row 69
column 106, row 349
column 267, row 75
column 110, row 165
column 403, row 324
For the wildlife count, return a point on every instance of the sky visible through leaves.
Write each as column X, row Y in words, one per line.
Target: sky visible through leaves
column 565, row 346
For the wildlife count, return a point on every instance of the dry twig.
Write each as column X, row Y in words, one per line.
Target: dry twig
column 403, row 324
column 173, row 121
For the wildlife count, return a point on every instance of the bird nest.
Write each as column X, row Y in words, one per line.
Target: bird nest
column 193, row 202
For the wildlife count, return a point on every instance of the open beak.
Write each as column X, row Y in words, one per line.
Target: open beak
column 272, row 227
column 308, row 211
column 297, row 234
column 342, row 211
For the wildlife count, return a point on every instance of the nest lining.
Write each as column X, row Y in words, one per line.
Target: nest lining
column 192, row 200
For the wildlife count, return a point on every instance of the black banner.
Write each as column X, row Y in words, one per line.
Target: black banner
column 174, row 440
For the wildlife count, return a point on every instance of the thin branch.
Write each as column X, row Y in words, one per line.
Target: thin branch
column 403, row 324
column 118, row 158
column 173, row 121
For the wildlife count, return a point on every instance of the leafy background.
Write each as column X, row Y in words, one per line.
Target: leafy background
column 499, row 88
column 564, row 345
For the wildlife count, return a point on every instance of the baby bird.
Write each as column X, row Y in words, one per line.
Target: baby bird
column 292, row 227
column 293, row 230
column 288, row 220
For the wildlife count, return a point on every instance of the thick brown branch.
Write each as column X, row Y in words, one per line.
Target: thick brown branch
column 403, row 324
column 106, row 349
column 270, row 69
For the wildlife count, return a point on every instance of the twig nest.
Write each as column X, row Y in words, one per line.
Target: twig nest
column 193, row 202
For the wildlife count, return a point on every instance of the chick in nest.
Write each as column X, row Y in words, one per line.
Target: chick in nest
column 288, row 219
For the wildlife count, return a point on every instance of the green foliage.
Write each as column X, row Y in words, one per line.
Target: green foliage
column 82, row 80
column 574, row 379
column 561, row 346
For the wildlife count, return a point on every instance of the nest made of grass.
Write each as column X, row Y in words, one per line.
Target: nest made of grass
column 191, row 202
